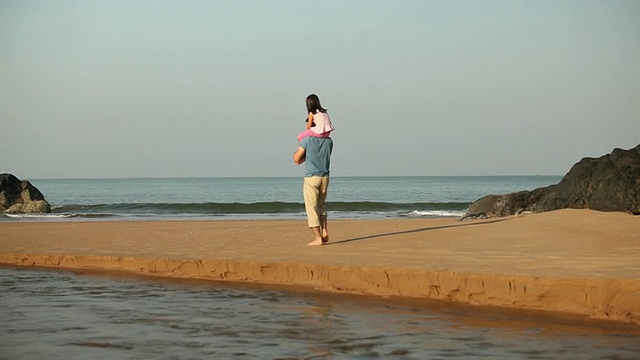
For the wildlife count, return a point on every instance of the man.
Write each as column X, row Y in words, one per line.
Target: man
column 315, row 152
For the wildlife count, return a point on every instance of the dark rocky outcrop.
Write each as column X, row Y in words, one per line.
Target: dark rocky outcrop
column 608, row 183
column 19, row 197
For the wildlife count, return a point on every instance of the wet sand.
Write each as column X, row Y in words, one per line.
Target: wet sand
column 569, row 261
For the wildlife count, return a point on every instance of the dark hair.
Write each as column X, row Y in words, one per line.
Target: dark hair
column 313, row 104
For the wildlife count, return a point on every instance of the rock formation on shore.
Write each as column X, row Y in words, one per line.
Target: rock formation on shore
column 20, row 197
column 608, row 183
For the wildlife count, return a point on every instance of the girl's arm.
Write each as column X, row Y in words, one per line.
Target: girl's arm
column 309, row 121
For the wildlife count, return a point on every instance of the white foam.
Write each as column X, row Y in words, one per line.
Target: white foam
column 39, row 216
column 438, row 213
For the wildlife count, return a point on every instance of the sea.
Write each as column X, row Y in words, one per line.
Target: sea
column 47, row 314
column 268, row 197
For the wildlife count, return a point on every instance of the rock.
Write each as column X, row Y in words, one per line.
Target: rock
column 19, row 197
column 608, row 183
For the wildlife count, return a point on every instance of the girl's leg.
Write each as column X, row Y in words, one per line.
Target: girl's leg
column 305, row 134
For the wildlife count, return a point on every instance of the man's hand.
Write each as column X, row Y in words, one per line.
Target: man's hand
column 299, row 156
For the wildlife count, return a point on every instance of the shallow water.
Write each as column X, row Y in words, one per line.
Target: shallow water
column 65, row 315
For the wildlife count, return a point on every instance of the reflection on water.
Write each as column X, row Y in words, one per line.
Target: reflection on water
column 63, row 315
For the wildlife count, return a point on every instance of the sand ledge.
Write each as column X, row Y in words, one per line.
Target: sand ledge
column 600, row 299
column 571, row 261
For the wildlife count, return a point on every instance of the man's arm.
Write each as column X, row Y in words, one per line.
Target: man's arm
column 298, row 156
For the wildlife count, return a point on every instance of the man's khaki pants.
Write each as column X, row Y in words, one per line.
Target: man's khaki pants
column 315, row 196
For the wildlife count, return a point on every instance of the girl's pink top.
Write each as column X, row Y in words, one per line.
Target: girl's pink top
column 323, row 123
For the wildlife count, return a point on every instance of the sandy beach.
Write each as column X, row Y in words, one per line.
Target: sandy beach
column 568, row 261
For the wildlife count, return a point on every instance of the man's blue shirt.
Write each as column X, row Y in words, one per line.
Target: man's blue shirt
column 317, row 155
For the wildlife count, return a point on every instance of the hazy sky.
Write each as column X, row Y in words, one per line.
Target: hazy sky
column 217, row 88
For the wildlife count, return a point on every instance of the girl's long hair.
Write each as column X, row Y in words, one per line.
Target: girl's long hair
column 313, row 104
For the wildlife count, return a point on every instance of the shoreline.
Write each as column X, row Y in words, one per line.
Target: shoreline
column 577, row 262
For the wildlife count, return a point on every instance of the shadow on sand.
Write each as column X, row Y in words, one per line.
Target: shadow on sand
column 416, row 230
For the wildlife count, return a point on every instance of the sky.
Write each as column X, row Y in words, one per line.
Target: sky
column 126, row 89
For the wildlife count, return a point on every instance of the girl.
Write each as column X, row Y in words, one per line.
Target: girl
column 318, row 122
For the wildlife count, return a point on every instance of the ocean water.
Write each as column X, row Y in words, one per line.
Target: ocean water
column 268, row 198
column 64, row 315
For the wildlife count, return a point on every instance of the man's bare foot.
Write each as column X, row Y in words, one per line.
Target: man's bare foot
column 325, row 234
column 316, row 242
